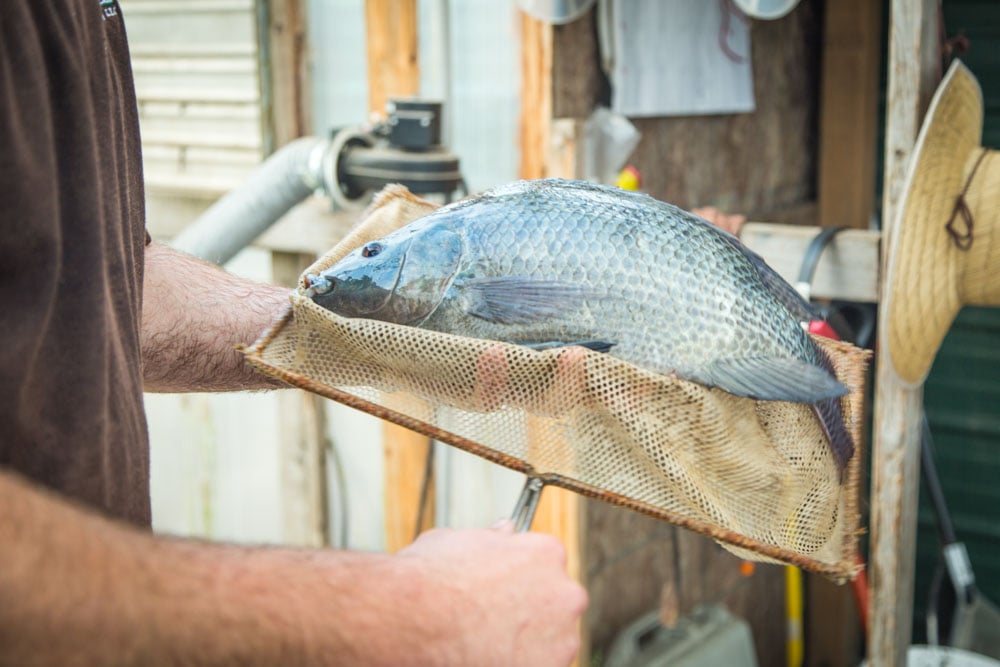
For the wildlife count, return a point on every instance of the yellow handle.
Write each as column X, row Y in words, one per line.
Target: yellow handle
column 793, row 613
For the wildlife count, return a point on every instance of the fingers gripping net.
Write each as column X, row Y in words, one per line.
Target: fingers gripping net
column 757, row 476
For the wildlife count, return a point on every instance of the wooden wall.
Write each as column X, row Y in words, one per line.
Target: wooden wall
column 760, row 164
column 755, row 163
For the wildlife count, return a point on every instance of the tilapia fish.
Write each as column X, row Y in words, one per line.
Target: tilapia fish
column 553, row 262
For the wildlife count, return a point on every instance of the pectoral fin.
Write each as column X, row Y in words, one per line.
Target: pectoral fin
column 520, row 299
column 771, row 379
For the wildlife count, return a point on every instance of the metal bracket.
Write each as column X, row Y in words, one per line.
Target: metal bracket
column 527, row 503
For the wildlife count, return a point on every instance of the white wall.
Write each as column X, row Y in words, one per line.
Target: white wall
column 216, row 466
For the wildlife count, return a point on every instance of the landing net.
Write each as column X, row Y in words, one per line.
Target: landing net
column 756, row 476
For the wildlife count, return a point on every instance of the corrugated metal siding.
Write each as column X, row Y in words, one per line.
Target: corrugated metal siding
column 198, row 87
column 979, row 20
column 962, row 400
column 962, row 393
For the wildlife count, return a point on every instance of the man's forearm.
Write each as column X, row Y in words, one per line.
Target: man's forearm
column 76, row 588
column 80, row 589
column 194, row 315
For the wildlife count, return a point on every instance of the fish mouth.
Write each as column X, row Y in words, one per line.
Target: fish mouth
column 350, row 294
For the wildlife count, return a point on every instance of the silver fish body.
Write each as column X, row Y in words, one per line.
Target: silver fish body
column 555, row 262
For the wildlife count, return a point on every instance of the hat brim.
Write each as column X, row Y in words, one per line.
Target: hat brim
column 922, row 278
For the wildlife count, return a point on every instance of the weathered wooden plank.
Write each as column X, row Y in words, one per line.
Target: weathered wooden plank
column 849, row 97
column 302, row 443
column 562, row 513
column 287, row 109
column 833, row 631
column 577, row 79
column 756, row 163
column 310, row 227
column 848, row 269
column 896, row 445
column 405, row 463
column 393, row 70
column 550, row 148
column 536, row 96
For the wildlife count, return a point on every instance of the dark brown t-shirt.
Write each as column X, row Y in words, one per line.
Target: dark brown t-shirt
column 72, row 236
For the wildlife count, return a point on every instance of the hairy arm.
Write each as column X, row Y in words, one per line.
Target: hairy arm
column 80, row 589
column 194, row 314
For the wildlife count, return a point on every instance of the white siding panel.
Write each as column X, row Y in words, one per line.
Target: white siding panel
column 198, row 87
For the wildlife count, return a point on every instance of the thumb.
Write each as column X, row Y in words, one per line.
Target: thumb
column 504, row 525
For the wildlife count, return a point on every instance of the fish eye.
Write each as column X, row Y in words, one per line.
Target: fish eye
column 371, row 250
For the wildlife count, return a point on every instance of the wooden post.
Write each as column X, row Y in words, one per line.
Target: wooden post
column 896, row 450
column 393, row 72
column 536, row 96
column 852, row 48
column 288, row 110
column 303, row 424
column 393, row 69
column 302, row 442
column 406, row 461
column 549, row 148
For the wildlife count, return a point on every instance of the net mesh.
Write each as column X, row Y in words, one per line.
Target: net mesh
column 757, row 476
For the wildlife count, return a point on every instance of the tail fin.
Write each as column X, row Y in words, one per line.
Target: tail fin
column 831, row 417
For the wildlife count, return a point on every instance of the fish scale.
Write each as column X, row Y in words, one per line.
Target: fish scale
column 555, row 262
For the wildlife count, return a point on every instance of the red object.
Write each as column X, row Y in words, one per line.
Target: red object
column 861, row 594
column 821, row 328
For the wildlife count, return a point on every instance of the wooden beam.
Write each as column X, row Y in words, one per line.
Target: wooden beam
column 393, row 70
column 406, row 454
column 852, row 47
column 303, row 422
column 288, row 109
column 536, row 96
column 848, row 269
column 551, row 148
column 303, row 443
column 561, row 512
column 896, row 434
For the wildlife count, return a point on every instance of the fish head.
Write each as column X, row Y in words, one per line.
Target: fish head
column 399, row 278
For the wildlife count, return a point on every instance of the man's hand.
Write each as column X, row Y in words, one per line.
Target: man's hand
column 508, row 594
column 731, row 222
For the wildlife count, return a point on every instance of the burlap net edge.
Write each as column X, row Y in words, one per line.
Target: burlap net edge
column 850, row 565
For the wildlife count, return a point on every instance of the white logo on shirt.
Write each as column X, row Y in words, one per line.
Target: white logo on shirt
column 109, row 9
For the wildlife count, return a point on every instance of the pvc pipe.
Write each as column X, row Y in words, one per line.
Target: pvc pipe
column 283, row 180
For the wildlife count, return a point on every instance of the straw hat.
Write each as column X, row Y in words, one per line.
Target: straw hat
column 945, row 249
